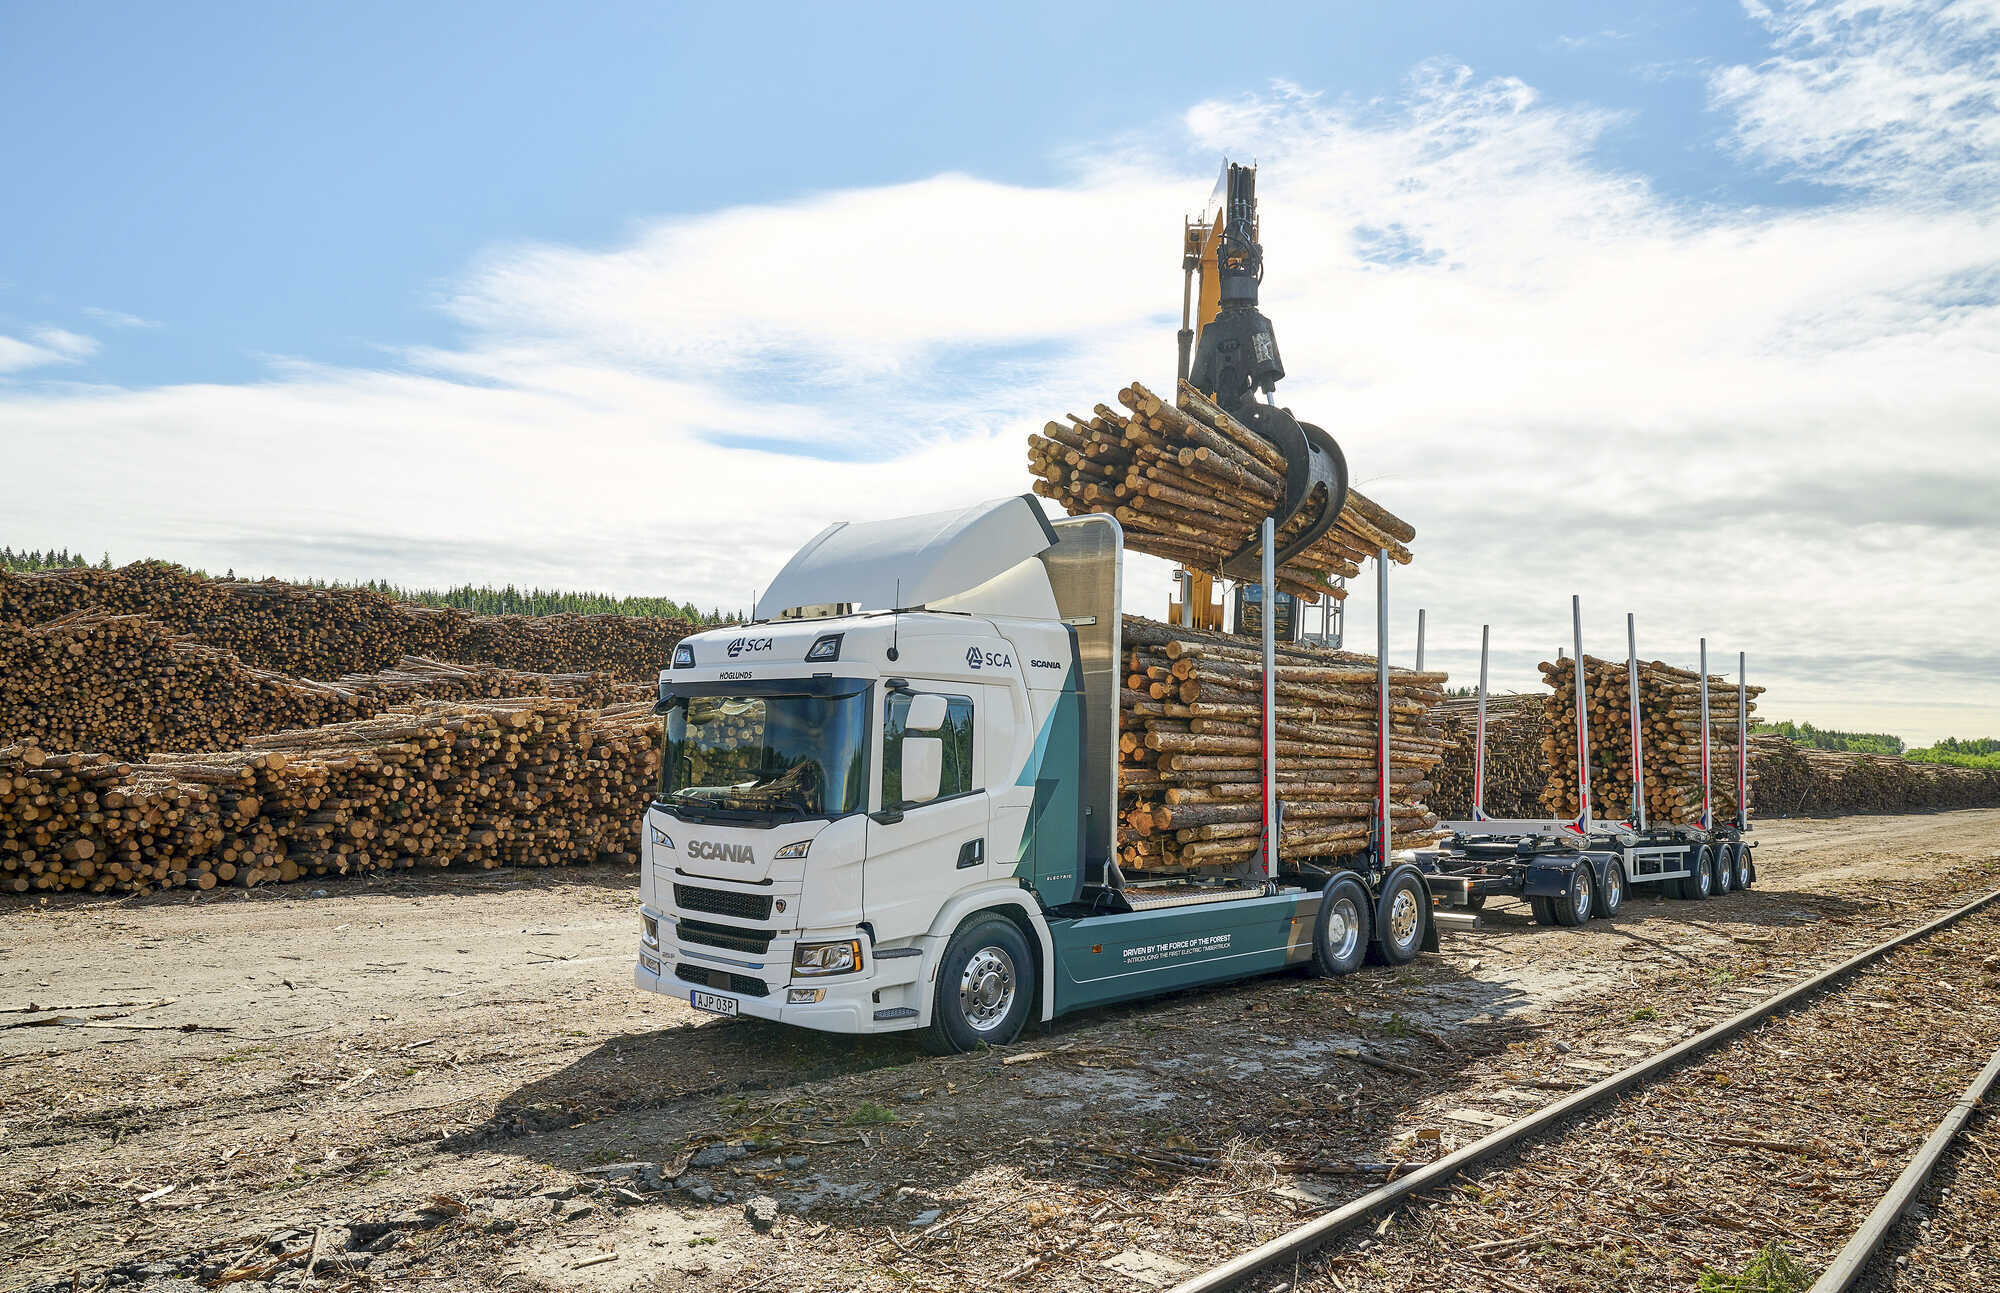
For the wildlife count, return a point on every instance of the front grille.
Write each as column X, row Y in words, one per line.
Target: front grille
column 723, row 902
column 737, row 940
column 724, row 980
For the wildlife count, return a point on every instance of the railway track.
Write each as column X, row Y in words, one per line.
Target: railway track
column 1645, row 1178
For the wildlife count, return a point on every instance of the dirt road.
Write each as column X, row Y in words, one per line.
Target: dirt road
column 441, row 1068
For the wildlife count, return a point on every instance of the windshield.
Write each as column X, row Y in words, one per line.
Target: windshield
column 794, row 756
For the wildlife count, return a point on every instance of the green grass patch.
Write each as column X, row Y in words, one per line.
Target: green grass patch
column 1643, row 1013
column 1772, row 1270
column 870, row 1114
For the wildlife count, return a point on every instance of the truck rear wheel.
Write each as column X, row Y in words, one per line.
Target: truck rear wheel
column 1700, row 878
column 1400, row 914
column 1612, row 896
column 985, row 986
column 1576, row 908
column 1340, row 934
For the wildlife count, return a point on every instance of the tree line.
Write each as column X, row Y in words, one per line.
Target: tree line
column 1827, row 738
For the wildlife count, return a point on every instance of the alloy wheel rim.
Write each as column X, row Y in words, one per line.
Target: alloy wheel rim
column 986, row 988
column 1343, row 927
column 1403, row 917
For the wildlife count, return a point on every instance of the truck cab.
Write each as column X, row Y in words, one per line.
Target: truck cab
column 842, row 786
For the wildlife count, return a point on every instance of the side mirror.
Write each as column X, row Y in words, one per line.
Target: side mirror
column 923, row 767
column 926, row 713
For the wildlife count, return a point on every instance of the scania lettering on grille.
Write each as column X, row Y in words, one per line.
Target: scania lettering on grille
column 720, row 852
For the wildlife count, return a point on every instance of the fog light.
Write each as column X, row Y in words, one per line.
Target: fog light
column 652, row 966
column 804, row 996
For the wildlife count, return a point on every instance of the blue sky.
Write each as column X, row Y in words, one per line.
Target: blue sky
column 299, row 180
column 1690, row 308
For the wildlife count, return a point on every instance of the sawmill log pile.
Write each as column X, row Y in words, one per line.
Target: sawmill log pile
column 125, row 685
column 1190, row 761
column 312, row 632
column 1789, row 780
column 537, row 781
column 1670, row 723
column 1191, row 484
column 1516, row 771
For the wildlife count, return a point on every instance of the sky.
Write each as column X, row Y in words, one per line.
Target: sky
column 1692, row 310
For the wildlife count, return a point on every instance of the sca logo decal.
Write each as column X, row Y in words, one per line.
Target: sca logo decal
column 737, row 646
column 998, row 659
column 720, row 852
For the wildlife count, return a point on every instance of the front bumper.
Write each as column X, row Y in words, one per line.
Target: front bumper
column 887, row 994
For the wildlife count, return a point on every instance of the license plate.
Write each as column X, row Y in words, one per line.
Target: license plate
column 713, row 1003
column 652, row 966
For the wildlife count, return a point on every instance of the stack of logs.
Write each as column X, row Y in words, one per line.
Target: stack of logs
column 1670, row 725
column 1516, row 772
column 1789, row 780
column 126, row 685
column 311, row 632
column 1190, row 751
column 482, row 783
column 1192, row 484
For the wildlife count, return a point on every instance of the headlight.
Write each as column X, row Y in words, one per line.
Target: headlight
column 827, row 958
column 797, row 850
column 652, row 930
column 662, row 839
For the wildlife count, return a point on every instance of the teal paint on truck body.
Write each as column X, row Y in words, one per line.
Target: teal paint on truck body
column 1050, row 855
column 1101, row 959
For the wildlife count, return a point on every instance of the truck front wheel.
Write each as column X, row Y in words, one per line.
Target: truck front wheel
column 985, row 986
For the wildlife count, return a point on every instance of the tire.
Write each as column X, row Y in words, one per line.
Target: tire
column 985, row 987
column 1701, row 878
column 1612, row 896
column 1746, row 866
column 1474, row 901
column 1400, row 913
column 1725, row 870
column 1342, row 929
column 1544, row 909
column 1582, row 900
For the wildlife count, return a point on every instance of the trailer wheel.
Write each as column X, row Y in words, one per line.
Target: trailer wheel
column 1544, row 909
column 1576, row 908
column 1400, row 914
column 1474, row 901
column 1340, row 934
column 1612, row 896
column 1725, row 869
column 985, row 985
column 1746, row 866
column 1701, row 876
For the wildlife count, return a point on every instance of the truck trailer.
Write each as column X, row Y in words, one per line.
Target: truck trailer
column 1572, row 870
column 889, row 803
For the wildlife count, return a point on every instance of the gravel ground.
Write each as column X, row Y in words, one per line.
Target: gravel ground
column 1787, row 1135
column 1949, row 1240
column 445, row 1067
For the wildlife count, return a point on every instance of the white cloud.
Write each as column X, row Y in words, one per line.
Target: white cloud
column 117, row 318
column 1772, row 428
column 50, row 346
column 1899, row 96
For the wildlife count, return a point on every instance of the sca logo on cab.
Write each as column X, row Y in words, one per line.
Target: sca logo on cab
column 998, row 659
column 737, row 646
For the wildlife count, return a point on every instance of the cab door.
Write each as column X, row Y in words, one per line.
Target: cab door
column 921, row 852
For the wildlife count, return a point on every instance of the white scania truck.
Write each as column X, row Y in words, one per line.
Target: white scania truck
column 888, row 803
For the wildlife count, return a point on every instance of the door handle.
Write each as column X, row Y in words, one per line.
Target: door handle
column 972, row 853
